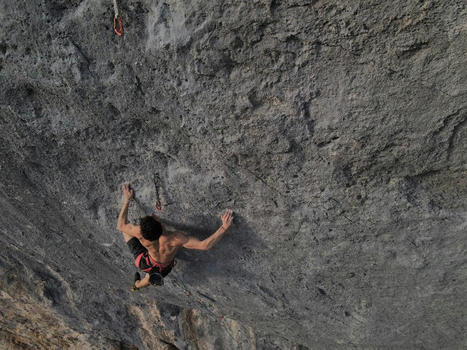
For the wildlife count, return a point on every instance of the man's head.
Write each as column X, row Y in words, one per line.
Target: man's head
column 150, row 228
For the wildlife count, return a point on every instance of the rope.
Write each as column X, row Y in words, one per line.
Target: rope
column 115, row 8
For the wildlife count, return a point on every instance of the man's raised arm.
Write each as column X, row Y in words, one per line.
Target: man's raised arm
column 122, row 223
column 190, row 242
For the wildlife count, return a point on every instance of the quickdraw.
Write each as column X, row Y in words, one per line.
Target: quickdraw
column 117, row 20
column 158, row 204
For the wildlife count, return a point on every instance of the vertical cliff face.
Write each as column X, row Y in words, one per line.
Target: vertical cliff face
column 336, row 130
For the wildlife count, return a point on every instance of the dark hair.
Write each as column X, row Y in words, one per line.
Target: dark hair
column 150, row 228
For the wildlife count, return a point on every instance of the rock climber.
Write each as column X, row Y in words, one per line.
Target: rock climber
column 154, row 247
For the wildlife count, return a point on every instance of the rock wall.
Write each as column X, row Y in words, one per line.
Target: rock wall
column 336, row 130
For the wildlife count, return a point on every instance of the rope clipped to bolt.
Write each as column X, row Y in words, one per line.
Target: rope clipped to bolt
column 117, row 20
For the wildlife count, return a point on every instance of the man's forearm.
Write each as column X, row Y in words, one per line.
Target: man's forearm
column 212, row 240
column 122, row 218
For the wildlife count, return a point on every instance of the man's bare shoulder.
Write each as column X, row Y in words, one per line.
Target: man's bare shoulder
column 178, row 237
column 130, row 229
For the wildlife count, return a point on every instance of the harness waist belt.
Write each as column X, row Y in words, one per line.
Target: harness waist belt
column 151, row 263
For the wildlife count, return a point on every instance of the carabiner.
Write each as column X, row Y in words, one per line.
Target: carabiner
column 119, row 31
column 158, row 205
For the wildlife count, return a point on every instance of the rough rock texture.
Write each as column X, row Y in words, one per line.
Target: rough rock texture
column 336, row 130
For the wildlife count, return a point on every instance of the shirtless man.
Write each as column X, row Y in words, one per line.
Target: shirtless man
column 154, row 247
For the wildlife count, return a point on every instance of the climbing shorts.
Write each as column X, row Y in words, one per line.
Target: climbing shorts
column 136, row 248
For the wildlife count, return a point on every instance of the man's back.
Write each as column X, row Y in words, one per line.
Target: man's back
column 165, row 248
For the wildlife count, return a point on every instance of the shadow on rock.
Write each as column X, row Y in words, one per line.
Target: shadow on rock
column 233, row 256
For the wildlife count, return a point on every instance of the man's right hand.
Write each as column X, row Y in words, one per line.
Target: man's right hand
column 206, row 244
column 227, row 218
column 127, row 192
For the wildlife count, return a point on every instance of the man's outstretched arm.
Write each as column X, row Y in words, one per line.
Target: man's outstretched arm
column 190, row 242
column 122, row 223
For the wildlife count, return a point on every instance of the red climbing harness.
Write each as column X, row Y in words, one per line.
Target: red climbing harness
column 151, row 263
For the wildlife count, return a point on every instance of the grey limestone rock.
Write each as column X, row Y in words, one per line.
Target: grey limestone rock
column 336, row 130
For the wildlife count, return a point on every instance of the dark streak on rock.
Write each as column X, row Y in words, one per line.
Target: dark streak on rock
column 455, row 131
column 81, row 52
column 138, row 85
column 207, row 297
column 321, row 291
column 310, row 123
